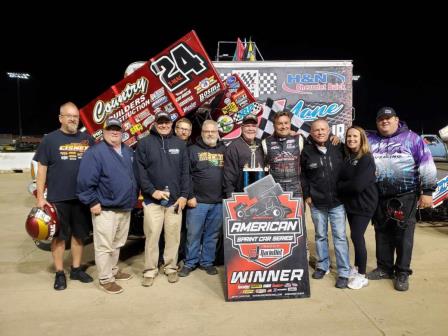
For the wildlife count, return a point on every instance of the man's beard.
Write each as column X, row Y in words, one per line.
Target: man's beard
column 72, row 128
column 210, row 142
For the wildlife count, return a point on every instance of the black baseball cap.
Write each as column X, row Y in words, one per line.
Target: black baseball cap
column 162, row 115
column 385, row 112
column 250, row 119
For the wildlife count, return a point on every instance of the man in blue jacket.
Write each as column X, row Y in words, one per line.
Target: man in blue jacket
column 162, row 161
column 107, row 184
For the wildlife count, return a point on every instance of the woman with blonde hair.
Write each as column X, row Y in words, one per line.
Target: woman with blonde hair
column 359, row 193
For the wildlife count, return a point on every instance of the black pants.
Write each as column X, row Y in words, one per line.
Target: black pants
column 358, row 225
column 392, row 236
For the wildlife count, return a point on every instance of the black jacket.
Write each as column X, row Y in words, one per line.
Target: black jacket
column 320, row 174
column 206, row 169
column 356, row 185
column 162, row 161
column 238, row 155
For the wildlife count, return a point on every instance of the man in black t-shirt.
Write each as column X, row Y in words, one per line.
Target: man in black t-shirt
column 58, row 158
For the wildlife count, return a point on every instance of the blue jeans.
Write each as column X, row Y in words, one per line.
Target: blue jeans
column 337, row 221
column 204, row 221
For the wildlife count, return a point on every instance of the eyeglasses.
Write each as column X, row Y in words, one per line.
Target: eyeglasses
column 211, row 132
column 70, row 116
column 183, row 129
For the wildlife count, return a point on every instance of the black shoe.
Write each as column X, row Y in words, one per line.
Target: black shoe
column 211, row 270
column 79, row 274
column 185, row 271
column 379, row 274
column 341, row 282
column 319, row 273
column 60, row 282
column 401, row 282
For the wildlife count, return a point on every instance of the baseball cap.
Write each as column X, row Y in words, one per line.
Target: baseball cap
column 112, row 122
column 162, row 115
column 250, row 119
column 385, row 112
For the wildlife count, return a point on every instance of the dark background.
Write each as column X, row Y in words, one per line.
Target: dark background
column 77, row 54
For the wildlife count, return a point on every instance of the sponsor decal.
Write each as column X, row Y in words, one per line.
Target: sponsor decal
column 136, row 128
column 209, row 92
column 441, row 192
column 157, row 94
column 205, row 84
column 148, row 121
column 125, row 136
column 102, row 109
column 225, row 124
column 318, row 111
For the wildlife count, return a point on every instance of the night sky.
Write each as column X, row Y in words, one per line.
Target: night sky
column 81, row 54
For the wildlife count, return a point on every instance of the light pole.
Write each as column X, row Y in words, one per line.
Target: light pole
column 19, row 76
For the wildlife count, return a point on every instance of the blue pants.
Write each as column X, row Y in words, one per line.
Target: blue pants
column 336, row 216
column 203, row 224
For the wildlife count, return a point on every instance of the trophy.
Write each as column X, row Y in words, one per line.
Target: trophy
column 252, row 172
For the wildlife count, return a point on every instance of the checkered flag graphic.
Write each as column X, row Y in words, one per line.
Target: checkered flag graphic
column 268, row 83
column 259, row 83
column 270, row 108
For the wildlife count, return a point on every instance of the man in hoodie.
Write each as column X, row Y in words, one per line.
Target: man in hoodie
column 204, row 218
column 406, row 178
column 162, row 160
column 321, row 162
column 107, row 184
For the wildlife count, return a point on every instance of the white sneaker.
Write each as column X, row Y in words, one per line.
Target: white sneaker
column 358, row 282
column 353, row 272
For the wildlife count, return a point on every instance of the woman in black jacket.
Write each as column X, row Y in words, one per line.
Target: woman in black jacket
column 359, row 193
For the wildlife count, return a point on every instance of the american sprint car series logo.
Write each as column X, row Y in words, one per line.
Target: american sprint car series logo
column 264, row 230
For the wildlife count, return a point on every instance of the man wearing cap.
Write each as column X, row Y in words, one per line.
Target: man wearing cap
column 406, row 179
column 238, row 155
column 58, row 156
column 107, row 184
column 162, row 161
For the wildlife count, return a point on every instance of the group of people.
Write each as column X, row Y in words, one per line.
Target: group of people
column 179, row 180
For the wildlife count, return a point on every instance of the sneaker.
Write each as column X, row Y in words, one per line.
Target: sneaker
column 111, row 288
column 353, row 272
column 147, row 281
column 401, row 282
column 60, row 282
column 123, row 276
column 185, row 271
column 319, row 273
column 341, row 282
column 379, row 274
column 358, row 282
column 173, row 277
column 78, row 274
column 210, row 270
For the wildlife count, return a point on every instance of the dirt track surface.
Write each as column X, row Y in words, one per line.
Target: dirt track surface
column 195, row 305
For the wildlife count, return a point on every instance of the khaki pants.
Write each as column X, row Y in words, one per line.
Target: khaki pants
column 158, row 217
column 110, row 231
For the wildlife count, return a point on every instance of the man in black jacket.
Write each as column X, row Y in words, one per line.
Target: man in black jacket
column 321, row 162
column 204, row 218
column 238, row 155
column 162, row 160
